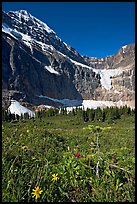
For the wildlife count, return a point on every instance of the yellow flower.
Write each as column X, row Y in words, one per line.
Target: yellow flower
column 25, row 148
column 90, row 179
column 27, row 131
column 93, row 191
column 91, row 149
column 36, row 193
column 55, row 178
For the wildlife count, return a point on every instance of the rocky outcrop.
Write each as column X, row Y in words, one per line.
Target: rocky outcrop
column 124, row 57
column 122, row 83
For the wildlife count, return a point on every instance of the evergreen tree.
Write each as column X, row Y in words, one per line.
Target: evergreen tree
column 103, row 116
column 12, row 116
column 91, row 114
column 21, row 117
column 62, row 111
column 73, row 112
column 79, row 113
column 4, row 114
column 129, row 111
column 65, row 111
column 98, row 114
column 117, row 114
column 85, row 116
column 9, row 116
column 26, row 116
column 38, row 115
column 132, row 111
column 17, row 117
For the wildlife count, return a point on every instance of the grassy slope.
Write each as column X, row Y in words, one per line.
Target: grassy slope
column 47, row 141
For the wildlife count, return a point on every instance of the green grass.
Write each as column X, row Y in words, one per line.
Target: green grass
column 51, row 143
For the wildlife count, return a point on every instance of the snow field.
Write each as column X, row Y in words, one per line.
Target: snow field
column 16, row 108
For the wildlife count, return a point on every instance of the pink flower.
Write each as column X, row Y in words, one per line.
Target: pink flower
column 78, row 155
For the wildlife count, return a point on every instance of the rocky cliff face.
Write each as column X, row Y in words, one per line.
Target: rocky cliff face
column 35, row 61
column 120, row 71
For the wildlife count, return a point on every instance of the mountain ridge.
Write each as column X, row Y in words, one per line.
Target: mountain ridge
column 36, row 62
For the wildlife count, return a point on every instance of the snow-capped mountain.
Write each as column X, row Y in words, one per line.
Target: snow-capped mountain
column 23, row 26
column 36, row 62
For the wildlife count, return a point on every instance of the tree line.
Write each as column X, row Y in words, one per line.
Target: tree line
column 107, row 114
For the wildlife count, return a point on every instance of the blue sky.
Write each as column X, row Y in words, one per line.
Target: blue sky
column 95, row 29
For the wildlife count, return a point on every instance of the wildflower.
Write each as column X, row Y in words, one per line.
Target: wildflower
column 91, row 149
column 90, row 178
column 25, row 148
column 36, row 193
column 55, row 178
column 27, row 131
column 78, row 155
column 93, row 191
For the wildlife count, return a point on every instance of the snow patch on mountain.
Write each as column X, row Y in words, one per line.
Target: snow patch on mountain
column 51, row 70
column 84, row 104
column 18, row 35
column 124, row 47
column 16, row 108
column 44, row 46
column 80, row 64
column 106, row 75
column 69, row 48
column 92, row 104
column 8, row 30
column 74, row 62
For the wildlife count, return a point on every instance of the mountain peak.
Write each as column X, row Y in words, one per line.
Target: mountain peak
column 24, row 14
column 19, row 13
column 30, row 27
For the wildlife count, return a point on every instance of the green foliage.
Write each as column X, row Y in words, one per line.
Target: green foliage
column 33, row 150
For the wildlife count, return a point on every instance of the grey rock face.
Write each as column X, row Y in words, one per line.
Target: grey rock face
column 28, row 75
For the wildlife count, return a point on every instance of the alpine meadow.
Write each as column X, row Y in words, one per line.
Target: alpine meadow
column 80, row 156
